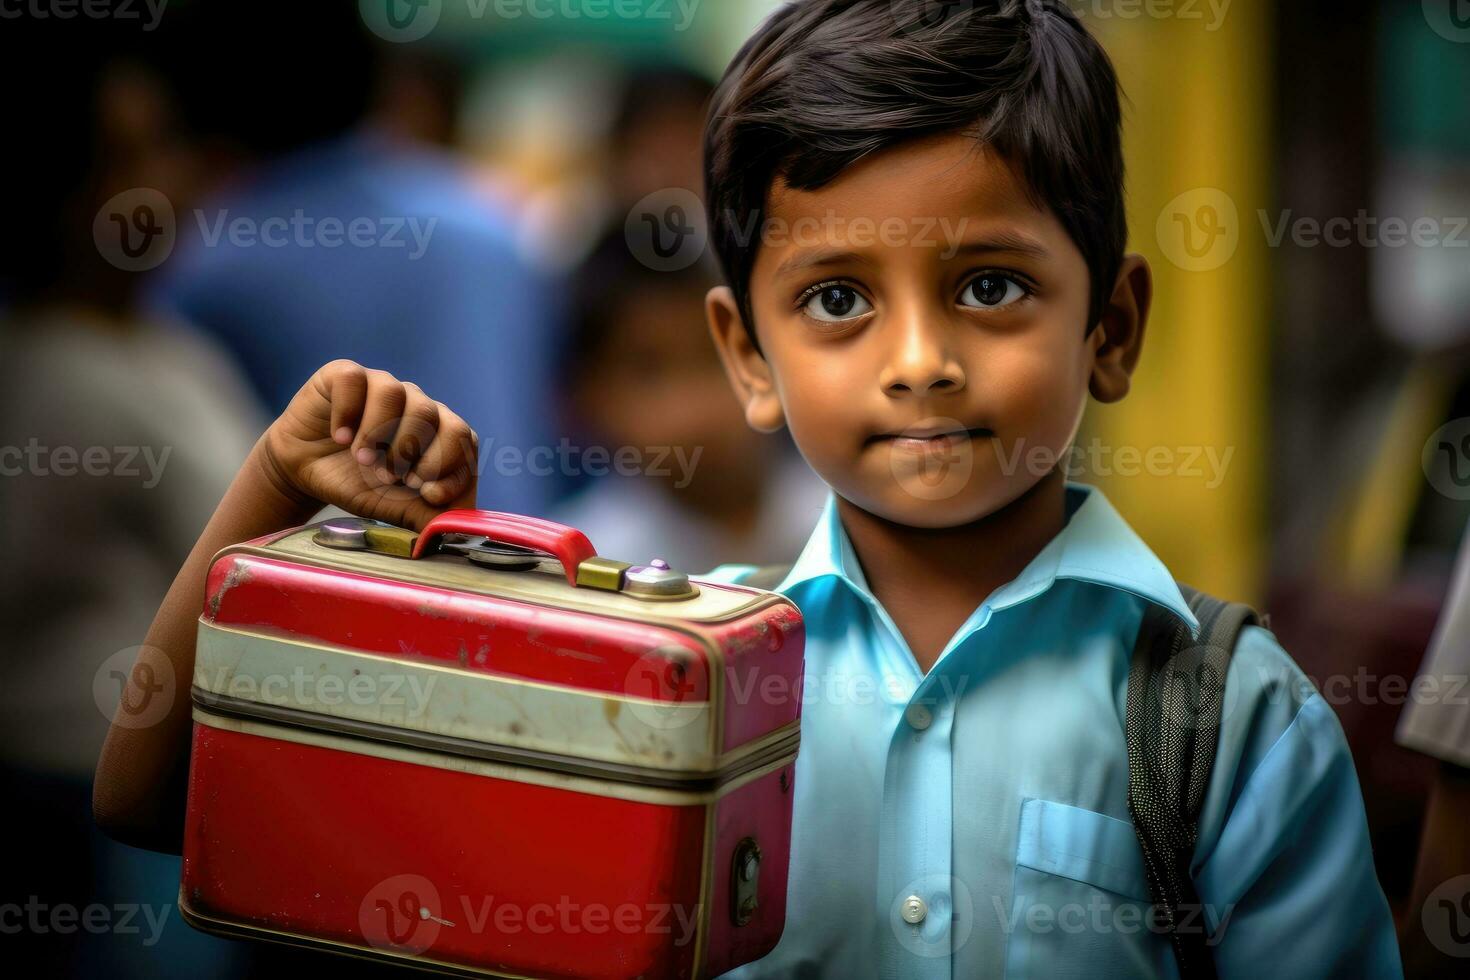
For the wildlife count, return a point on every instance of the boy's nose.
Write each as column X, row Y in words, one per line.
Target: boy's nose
column 921, row 361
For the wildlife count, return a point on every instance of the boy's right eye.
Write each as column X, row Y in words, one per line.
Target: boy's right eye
column 835, row 302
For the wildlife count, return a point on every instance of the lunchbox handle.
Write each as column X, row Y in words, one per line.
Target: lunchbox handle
column 566, row 544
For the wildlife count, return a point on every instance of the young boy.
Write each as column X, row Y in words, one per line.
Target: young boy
column 920, row 213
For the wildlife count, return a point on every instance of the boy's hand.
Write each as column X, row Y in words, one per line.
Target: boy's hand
column 373, row 445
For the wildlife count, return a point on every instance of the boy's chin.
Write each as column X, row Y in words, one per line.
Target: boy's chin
column 936, row 504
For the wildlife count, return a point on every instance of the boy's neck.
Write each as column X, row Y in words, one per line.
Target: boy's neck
column 931, row 579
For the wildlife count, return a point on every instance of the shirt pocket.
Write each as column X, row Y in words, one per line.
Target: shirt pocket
column 1080, row 905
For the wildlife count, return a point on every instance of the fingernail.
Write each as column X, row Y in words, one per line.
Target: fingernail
column 365, row 456
column 342, row 436
column 413, row 481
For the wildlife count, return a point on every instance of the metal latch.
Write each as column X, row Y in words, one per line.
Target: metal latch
column 744, row 877
column 653, row 582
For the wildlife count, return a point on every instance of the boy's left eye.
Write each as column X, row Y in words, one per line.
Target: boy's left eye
column 991, row 291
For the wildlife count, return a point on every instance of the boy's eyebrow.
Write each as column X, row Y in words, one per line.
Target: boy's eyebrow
column 817, row 258
column 1012, row 242
column 1005, row 242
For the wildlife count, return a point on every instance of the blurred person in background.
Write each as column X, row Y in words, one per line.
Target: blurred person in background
column 1435, row 932
column 315, row 131
column 679, row 465
column 656, row 135
column 117, row 432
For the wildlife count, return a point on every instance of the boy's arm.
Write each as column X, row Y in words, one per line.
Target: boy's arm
column 1284, row 864
column 355, row 438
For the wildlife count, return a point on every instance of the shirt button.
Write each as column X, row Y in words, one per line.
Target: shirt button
column 914, row 910
column 918, row 716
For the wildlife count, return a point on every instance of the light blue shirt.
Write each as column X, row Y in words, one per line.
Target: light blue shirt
column 973, row 822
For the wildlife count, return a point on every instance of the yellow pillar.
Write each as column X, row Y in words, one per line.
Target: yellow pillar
column 1197, row 132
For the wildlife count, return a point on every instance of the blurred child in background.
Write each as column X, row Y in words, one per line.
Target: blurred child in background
column 116, row 433
column 643, row 380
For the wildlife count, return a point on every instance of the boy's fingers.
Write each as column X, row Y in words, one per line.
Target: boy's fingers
column 380, row 417
column 415, row 432
column 453, row 449
column 441, row 492
column 345, row 384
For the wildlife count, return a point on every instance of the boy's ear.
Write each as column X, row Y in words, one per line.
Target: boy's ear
column 1118, row 336
column 745, row 366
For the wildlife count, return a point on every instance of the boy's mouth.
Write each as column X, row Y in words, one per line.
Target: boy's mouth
column 929, row 439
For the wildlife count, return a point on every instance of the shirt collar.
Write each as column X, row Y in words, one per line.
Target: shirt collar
column 1096, row 545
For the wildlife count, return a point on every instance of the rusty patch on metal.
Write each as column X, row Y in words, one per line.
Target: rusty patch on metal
column 239, row 574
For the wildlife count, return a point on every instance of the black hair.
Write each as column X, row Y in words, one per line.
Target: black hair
column 269, row 78
column 825, row 83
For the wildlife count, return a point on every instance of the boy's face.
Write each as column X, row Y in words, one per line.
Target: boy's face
column 923, row 332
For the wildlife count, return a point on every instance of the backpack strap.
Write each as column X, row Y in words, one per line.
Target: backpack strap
column 1176, row 692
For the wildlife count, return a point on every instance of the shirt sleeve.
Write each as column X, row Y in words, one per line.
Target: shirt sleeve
column 1436, row 720
column 1284, row 865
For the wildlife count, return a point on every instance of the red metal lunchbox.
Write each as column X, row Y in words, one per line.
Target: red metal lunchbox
column 485, row 749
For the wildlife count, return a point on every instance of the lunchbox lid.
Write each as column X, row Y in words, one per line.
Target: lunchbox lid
column 514, row 557
column 532, row 652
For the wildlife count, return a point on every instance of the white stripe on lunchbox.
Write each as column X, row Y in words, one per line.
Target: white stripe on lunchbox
column 671, row 736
